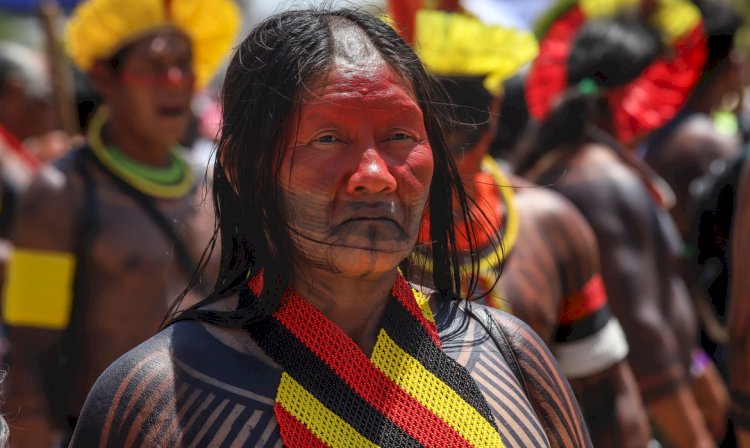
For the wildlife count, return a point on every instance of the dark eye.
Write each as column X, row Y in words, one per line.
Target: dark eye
column 327, row 139
column 399, row 136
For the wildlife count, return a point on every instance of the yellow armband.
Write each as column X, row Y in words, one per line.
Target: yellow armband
column 39, row 289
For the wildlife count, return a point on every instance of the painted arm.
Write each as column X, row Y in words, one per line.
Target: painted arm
column 549, row 392
column 739, row 313
column 113, row 415
column 589, row 343
column 622, row 216
column 36, row 303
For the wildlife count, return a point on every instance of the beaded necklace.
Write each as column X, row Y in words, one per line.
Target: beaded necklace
column 490, row 259
column 172, row 182
column 408, row 393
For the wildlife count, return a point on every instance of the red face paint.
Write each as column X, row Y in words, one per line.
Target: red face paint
column 356, row 172
column 172, row 78
column 155, row 86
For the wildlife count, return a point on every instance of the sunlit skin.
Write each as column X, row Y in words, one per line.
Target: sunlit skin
column 149, row 96
column 356, row 169
column 132, row 277
column 355, row 176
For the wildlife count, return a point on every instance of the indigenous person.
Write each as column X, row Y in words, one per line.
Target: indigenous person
column 684, row 148
column 331, row 147
column 579, row 153
column 701, row 163
column 117, row 234
column 548, row 256
column 739, row 313
column 25, row 92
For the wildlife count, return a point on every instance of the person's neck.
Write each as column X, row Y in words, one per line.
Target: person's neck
column 354, row 305
column 148, row 152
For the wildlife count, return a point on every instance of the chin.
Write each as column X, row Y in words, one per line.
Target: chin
column 364, row 264
column 171, row 131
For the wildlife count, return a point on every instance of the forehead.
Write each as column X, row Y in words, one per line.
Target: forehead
column 373, row 85
column 165, row 43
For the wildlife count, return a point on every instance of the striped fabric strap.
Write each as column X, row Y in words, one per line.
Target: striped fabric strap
column 409, row 393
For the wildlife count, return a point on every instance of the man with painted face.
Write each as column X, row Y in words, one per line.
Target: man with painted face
column 104, row 248
column 331, row 148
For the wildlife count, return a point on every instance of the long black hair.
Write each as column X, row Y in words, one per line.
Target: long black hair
column 608, row 53
column 264, row 82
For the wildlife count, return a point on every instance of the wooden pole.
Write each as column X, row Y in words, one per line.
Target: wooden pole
column 62, row 78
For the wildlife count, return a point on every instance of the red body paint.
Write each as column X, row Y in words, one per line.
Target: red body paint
column 357, row 171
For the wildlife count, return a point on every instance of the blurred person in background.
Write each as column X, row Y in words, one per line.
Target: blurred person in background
column 26, row 111
column 739, row 312
column 602, row 81
column 701, row 159
column 104, row 248
column 548, row 255
column 683, row 149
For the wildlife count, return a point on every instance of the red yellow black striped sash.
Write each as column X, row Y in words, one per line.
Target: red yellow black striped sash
column 409, row 393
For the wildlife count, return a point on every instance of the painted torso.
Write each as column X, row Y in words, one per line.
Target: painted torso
column 131, row 274
column 202, row 392
column 601, row 185
column 533, row 277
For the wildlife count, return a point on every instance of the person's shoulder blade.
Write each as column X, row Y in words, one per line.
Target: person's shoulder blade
column 48, row 210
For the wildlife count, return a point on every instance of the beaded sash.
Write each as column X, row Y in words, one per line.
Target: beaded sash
column 409, row 393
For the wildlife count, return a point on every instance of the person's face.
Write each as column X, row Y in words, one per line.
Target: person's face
column 356, row 172
column 153, row 87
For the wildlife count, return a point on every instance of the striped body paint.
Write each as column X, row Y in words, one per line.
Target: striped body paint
column 191, row 385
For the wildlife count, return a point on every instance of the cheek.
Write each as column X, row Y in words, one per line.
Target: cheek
column 138, row 104
column 420, row 165
column 308, row 184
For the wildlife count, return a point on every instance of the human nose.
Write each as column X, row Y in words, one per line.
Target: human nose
column 178, row 77
column 371, row 175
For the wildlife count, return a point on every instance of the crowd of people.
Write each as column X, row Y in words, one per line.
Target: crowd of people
column 417, row 229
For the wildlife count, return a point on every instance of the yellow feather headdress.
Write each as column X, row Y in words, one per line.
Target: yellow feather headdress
column 98, row 28
column 457, row 44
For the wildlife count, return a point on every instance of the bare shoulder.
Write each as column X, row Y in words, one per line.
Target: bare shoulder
column 564, row 228
column 532, row 401
column 174, row 388
column 48, row 209
column 139, row 373
column 549, row 391
column 549, row 206
column 540, row 201
column 606, row 190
